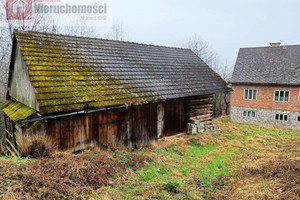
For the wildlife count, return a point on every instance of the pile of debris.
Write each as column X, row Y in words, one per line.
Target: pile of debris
column 195, row 126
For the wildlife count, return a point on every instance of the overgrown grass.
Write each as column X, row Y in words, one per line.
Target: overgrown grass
column 195, row 169
column 188, row 167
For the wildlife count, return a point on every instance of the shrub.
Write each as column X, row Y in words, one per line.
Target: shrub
column 36, row 145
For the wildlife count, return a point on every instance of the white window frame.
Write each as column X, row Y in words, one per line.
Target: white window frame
column 283, row 96
column 283, row 120
column 299, row 96
column 247, row 114
column 244, row 97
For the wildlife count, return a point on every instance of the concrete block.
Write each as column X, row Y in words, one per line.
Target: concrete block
column 191, row 129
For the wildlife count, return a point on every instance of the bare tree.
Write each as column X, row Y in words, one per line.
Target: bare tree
column 39, row 22
column 202, row 49
column 117, row 32
column 79, row 29
column 5, row 46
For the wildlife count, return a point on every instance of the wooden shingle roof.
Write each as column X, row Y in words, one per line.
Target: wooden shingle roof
column 268, row 65
column 16, row 110
column 74, row 73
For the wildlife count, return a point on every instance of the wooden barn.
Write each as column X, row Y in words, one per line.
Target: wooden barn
column 87, row 91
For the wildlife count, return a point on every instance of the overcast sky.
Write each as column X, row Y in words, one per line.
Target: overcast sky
column 226, row 25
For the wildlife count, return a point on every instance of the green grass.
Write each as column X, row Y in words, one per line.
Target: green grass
column 213, row 171
column 154, row 173
column 183, row 168
column 188, row 164
column 16, row 159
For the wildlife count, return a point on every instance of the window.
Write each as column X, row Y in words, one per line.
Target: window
column 249, row 114
column 282, row 96
column 281, row 117
column 250, row 94
column 299, row 96
column 298, row 118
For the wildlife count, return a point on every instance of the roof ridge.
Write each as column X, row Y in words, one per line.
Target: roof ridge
column 102, row 39
column 290, row 45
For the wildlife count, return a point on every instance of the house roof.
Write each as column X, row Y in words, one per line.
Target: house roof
column 16, row 110
column 268, row 65
column 74, row 73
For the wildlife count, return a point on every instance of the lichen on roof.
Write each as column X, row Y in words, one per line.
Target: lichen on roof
column 74, row 73
column 16, row 110
column 96, row 88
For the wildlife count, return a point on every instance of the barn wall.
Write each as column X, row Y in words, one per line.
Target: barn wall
column 136, row 125
column 130, row 126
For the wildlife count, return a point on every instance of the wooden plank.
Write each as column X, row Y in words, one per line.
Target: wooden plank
column 203, row 109
column 202, row 116
column 202, row 120
column 200, row 100
column 201, row 106
column 200, row 97
column 199, row 113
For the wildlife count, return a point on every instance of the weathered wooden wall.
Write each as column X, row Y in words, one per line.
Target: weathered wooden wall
column 174, row 117
column 21, row 87
column 201, row 108
column 136, row 125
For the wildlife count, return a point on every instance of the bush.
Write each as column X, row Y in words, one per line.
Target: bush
column 36, row 145
column 172, row 186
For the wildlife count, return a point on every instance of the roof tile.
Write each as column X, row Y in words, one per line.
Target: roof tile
column 73, row 73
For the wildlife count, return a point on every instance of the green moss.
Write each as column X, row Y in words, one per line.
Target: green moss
column 16, row 110
column 66, row 81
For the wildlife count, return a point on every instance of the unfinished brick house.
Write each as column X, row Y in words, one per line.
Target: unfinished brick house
column 88, row 91
column 266, row 86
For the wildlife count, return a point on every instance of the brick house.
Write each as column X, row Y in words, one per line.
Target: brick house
column 266, row 86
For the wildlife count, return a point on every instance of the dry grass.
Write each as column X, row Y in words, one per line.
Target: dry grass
column 237, row 162
column 269, row 174
column 269, row 169
column 65, row 176
column 36, row 145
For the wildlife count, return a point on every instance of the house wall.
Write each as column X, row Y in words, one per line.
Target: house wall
column 265, row 106
column 21, row 88
column 265, row 97
column 265, row 117
column 136, row 125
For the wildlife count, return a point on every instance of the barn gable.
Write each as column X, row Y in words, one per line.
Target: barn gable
column 20, row 87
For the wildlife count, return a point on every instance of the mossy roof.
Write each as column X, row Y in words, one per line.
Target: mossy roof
column 74, row 73
column 16, row 110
